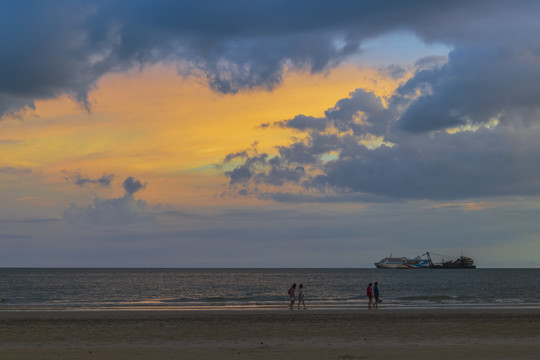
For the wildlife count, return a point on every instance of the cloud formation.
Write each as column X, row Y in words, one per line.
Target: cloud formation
column 15, row 171
column 364, row 150
column 80, row 180
column 65, row 47
column 117, row 211
column 132, row 185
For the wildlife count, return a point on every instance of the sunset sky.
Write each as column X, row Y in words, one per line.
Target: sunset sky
column 254, row 133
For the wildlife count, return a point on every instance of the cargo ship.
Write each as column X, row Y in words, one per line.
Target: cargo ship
column 425, row 262
column 462, row 262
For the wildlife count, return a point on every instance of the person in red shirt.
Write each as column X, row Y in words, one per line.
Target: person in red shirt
column 369, row 293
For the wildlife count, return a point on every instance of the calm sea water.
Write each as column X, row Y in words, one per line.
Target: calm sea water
column 239, row 289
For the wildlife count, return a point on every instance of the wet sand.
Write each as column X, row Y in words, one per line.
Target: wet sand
column 361, row 334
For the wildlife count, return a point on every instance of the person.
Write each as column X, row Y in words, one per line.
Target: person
column 291, row 295
column 376, row 295
column 369, row 293
column 301, row 296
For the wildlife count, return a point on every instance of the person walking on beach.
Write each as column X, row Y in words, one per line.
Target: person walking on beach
column 301, row 296
column 291, row 295
column 369, row 293
column 376, row 295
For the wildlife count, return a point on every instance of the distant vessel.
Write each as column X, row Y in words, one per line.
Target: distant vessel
column 421, row 262
column 403, row 263
column 462, row 262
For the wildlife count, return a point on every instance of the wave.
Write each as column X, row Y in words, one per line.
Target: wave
column 428, row 298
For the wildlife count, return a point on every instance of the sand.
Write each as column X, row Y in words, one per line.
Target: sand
column 360, row 334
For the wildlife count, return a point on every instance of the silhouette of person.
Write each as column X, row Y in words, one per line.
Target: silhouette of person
column 376, row 295
column 301, row 296
column 369, row 293
column 291, row 295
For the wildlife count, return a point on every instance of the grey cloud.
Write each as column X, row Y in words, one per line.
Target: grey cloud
column 132, row 185
column 360, row 105
column 65, row 47
column 68, row 45
column 303, row 122
column 243, row 173
column 279, row 175
column 123, row 210
column 41, row 220
column 296, row 197
column 430, row 62
column 441, row 167
column 476, row 85
column 232, row 156
column 119, row 211
column 243, row 192
column 79, row 180
column 394, row 71
column 499, row 160
column 15, row 171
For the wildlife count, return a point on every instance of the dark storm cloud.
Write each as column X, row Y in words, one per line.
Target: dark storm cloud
column 64, row 47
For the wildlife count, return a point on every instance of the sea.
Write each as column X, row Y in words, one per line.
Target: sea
column 228, row 289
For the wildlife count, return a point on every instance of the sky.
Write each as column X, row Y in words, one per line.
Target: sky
column 268, row 133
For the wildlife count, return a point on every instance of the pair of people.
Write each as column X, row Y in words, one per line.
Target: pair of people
column 373, row 292
column 300, row 296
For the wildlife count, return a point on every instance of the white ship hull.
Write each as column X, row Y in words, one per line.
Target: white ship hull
column 403, row 263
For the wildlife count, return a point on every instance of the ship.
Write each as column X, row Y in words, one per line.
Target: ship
column 462, row 262
column 425, row 262
column 403, row 263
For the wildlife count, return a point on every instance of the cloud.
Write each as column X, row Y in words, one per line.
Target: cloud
column 79, row 180
column 65, row 47
column 132, row 185
column 15, row 171
column 461, row 127
column 303, row 122
column 476, row 85
column 117, row 211
column 232, row 156
column 364, row 154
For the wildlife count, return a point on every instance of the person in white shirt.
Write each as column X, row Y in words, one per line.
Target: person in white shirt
column 301, row 296
column 291, row 295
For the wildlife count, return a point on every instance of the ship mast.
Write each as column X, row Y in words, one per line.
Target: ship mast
column 429, row 258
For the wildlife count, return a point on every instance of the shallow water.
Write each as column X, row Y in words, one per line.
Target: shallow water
column 204, row 289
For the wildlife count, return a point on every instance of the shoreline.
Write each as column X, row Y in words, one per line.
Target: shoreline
column 310, row 334
column 532, row 307
column 128, row 312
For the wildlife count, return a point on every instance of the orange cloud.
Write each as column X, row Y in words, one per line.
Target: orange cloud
column 168, row 130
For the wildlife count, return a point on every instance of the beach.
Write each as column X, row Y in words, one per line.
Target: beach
column 309, row 334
